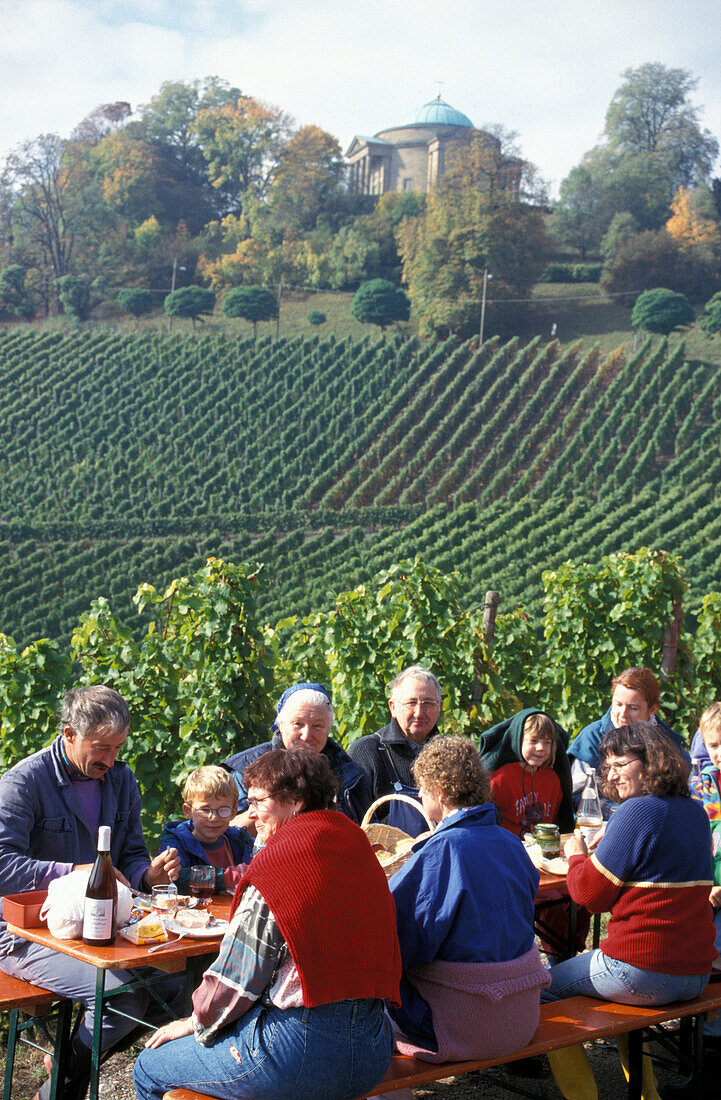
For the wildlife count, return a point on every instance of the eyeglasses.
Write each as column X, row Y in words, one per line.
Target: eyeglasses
column 617, row 765
column 424, row 704
column 255, row 802
column 225, row 812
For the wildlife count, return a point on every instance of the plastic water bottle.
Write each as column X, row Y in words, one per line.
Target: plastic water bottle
column 589, row 818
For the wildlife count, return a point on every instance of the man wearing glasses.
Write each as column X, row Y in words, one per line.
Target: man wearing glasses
column 388, row 755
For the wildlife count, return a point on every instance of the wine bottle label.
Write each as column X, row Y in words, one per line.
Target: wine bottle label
column 98, row 919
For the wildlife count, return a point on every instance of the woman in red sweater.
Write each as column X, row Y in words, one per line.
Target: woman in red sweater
column 652, row 871
column 293, row 1005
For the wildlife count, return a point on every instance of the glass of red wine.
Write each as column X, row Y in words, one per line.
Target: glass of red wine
column 202, row 884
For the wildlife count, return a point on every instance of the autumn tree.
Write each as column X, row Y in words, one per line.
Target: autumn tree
column 481, row 216
column 242, row 144
column 168, row 122
column 283, row 225
column 128, row 169
column 102, row 121
column 46, row 211
column 654, row 258
column 651, row 113
column 229, row 255
column 692, row 222
column 307, row 182
column 580, row 216
column 652, row 144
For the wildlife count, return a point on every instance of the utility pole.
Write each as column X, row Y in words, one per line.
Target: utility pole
column 172, row 286
column 486, row 277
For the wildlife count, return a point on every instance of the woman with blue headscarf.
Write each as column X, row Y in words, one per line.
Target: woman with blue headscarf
column 304, row 716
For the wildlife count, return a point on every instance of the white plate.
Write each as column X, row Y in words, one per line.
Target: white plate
column 557, row 866
column 217, row 929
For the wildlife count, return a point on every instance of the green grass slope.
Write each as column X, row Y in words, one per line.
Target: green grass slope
column 130, row 458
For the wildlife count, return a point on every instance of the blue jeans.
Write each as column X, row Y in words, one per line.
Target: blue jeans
column 332, row 1052
column 594, row 974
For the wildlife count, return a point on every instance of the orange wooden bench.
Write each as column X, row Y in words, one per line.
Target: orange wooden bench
column 562, row 1024
column 18, row 996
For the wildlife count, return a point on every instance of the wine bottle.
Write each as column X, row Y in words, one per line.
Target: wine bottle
column 101, row 896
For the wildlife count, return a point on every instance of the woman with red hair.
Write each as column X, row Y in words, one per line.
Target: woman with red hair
column 635, row 697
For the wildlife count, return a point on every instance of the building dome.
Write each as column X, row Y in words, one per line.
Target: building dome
column 438, row 113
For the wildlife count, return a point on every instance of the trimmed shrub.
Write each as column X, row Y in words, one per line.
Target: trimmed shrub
column 661, row 310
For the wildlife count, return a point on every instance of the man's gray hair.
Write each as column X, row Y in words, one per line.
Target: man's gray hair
column 97, row 707
column 418, row 673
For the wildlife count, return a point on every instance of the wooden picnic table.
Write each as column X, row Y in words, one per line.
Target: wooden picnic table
column 188, row 955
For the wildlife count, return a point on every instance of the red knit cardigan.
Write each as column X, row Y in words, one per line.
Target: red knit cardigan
column 330, row 899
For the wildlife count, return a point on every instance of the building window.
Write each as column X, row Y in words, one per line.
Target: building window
column 408, row 184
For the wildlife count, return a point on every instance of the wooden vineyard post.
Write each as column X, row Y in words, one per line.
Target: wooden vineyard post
column 490, row 607
column 670, row 643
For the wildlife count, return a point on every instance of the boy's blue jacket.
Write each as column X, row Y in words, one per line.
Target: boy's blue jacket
column 179, row 834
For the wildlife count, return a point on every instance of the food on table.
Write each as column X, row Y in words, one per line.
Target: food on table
column 146, row 930
column 193, row 918
column 172, row 901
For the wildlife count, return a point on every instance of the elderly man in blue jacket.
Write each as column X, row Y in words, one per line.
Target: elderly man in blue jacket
column 51, row 805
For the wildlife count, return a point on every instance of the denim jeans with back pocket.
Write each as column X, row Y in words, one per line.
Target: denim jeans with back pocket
column 332, row 1052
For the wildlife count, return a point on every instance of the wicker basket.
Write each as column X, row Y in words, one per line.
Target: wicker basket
column 397, row 845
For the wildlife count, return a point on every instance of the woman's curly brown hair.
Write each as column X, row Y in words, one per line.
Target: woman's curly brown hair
column 290, row 774
column 452, row 768
column 665, row 770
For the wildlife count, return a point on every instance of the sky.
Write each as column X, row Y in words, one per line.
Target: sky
column 546, row 69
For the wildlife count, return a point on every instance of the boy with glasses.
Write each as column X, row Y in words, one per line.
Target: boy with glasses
column 206, row 837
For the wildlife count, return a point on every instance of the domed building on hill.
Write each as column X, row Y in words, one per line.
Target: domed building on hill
column 410, row 157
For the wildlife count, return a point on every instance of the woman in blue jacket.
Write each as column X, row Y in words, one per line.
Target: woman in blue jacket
column 464, row 908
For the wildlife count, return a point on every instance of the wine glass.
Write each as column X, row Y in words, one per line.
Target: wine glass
column 165, row 900
column 202, row 883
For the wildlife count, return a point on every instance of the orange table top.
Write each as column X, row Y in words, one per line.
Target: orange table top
column 549, row 884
